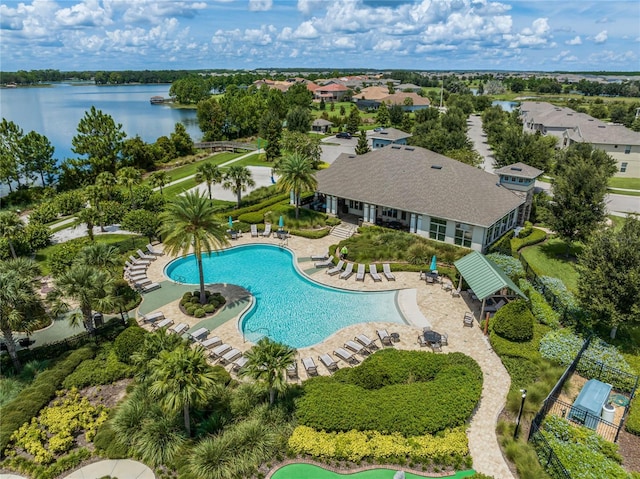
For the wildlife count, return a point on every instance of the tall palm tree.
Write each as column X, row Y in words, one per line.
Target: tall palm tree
column 209, row 173
column 181, row 379
column 268, row 361
column 153, row 345
column 94, row 195
column 20, row 304
column 106, row 182
column 190, row 222
column 238, row 179
column 129, row 177
column 159, row 179
column 99, row 255
column 89, row 287
column 296, row 175
column 10, row 227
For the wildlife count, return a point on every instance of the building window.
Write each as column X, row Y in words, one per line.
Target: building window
column 355, row 205
column 623, row 167
column 391, row 213
column 504, row 222
column 627, row 149
column 463, row 235
column 489, row 234
column 437, row 229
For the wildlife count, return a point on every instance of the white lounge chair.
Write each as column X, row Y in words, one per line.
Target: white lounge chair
column 360, row 274
column 143, row 255
column 385, row 338
column 357, row 348
column 336, row 269
column 267, row 230
column 325, row 264
column 211, row 342
column 154, row 251
column 292, row 370
column 151, row 287
column 348, row 271
column 136, row 278
column 219, row 350
column 254, row 231
column 165, row 323
column 328, row 362
column 373, row 271
column 366, row 342
column 199, row 334
column 467, row 320
column 239, row 363
column 230, row 356
column 386, row 269
column 320, row 257
column 346, row 356
column 150, row 318
column 142, row 282
column 180, row 329
column 310, row 366
column 138, row 261
column 134, row 267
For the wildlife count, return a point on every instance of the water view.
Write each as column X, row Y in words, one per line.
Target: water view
column 55, row 111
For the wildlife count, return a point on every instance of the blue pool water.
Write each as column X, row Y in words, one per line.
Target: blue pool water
column 288, row 308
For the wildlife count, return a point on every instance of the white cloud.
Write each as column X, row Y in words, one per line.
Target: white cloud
column 387, row 45
column 85, row 14
column 154, row 11
column 601, row 37
column 260, row 5
column 308, row 6
column 537, row 35
column 574, row 41
column 306, row 30
column 564, row 56
column 344, row 42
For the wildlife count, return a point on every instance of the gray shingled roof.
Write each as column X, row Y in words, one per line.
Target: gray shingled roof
column 519, row 170
column 392, row 134
column 321, row 122
column 404, row 178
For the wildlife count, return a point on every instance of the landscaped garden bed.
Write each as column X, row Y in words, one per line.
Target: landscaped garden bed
column 191, row 306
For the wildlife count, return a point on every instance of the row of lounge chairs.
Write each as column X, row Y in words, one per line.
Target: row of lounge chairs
column 135, row 271
column 266, row 233
column 361, row 345
column 348, row 271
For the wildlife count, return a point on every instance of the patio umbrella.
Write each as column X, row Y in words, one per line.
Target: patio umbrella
column 434, row 265
column 230, row 223
column 281, row 222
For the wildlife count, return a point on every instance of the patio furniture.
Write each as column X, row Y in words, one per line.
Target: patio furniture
column 447, row 286
column 468, row 319
column 320, row 257
column 218, row 351
column 336, row 269
column 143, row 255
column 179, row 329
column 150, row 318
column 328, row 362
column 357, row 348
column 310, row 366
column 386, row 269
column 267, row 230
column 346, row 356
column 230, row 356
column 326, row 263
column 163, row 324
column 154, row 251
column 366, row 342
column 199, row 334
column 432, row 337
column 444, row 340
column 384, row 337
column 360, row 274
column 436, row 347
column 211, row 342
column 373, row 271
column 151, row 287
column 348, row 271
column 239, row 363
column 395, row 337
column 254, row 231
column 292, row 370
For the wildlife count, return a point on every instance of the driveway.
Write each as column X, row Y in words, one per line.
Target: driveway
column 333, row 147
column 479, row 139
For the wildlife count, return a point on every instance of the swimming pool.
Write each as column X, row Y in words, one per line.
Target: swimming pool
column 288, row 307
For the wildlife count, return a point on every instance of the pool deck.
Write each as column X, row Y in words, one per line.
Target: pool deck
column 421, row 304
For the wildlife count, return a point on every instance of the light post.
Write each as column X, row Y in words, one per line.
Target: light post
column 524, row 396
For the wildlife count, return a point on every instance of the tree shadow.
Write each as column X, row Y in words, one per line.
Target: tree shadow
column 557, row 250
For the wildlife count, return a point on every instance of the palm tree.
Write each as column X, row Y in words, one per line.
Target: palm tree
column 129, row 177
column 20, row 304
column 181, row 379
column 238, row 179
column 153, row 345
column 10, row 227
column 268, row 361
column 190, row 222
column 296, row 175
column 94, row 194
column 99, row 255
column 106, row 182
column 159, row 179
column 210, row 173
column 90, row 217
column 88, row 286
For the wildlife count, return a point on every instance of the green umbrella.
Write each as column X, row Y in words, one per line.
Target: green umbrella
column 230, row 223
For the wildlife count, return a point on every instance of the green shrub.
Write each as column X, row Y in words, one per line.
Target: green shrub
column 511, row 266
column 64, row 254
column 263, row 205
column 128, row 342
column 209, row 308
column 68, row 202
column 503, row 245
column 514, row 321
column 252, row 218
column 536, row 236
column 542, row 311
column 28, row 403
column 104, row 369
column 333, row 221
column 199, row 313
column 409, row 392
column 107, row 443
column 310, row 234
column 633, row 420
column 191, row 309
column 526, row 350
column 44, row 213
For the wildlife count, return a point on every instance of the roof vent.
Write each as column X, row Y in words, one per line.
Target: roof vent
column 436, row 167
column 352, row 156
column 516, row 168
column 409, row 148
column 601, row 126
column 591, row 119
column 384, row 132
column 395, row 147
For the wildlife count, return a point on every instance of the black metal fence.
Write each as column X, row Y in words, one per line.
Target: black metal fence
column 546, row 456
column 581, row 416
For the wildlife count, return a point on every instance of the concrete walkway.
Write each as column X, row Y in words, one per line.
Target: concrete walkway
column 120, row 468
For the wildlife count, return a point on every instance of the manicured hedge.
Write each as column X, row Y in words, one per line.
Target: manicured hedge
column 633, row 420
column 311, row 234
column 541, row 310
column 259, row 206
column 33, row 398
column 526, row 350
column 251, row 218
column 128, row 342
column 511, row 266
column 536, row 236
column 514, row 321
column 503, row 245
column 357, row 445
column 104, row 369
column 408, row 392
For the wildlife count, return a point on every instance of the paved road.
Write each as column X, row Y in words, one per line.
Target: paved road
column 479, row 139
column 333, row 147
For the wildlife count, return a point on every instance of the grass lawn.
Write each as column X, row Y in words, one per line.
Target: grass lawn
column 254, row 160
column 190, row 169
column 548, row 259
column 631, row 183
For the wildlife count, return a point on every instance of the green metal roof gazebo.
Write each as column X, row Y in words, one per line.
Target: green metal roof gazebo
column 484, row 277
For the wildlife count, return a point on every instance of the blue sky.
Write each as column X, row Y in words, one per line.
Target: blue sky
column 378, row 34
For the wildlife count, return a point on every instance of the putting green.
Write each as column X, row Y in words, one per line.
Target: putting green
column 309, row 471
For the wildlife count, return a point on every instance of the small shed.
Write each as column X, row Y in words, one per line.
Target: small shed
column 321, row 125
column 587, row 407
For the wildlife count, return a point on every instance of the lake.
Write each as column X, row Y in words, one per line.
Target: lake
column 56, row 111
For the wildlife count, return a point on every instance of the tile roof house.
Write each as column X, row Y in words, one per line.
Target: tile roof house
column 570, row 126
column 330, row 92
column 421, row 191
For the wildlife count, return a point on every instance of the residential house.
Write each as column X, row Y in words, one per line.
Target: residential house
column 408, row 87
column 520, row 179
column 570, row 126
column 422, row 191
column 331, row 92
column 320, row 125
column 388, row 136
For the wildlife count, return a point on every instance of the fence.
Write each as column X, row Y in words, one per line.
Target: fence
column 224, row 145
column 546, row 456
column 607, row 430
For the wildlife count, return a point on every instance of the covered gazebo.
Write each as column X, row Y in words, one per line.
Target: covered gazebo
column 486, row 279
